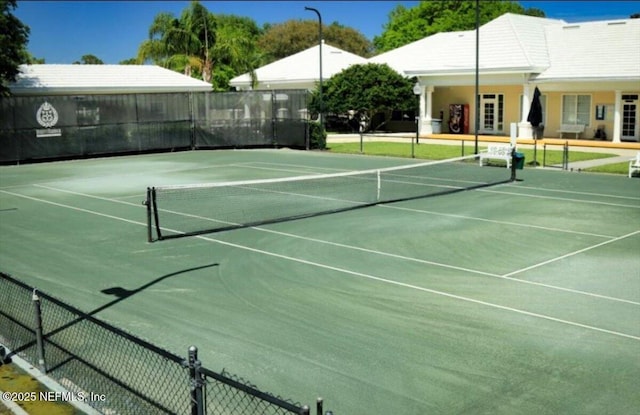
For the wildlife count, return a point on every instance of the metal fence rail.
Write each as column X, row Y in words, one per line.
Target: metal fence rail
column 90, row 357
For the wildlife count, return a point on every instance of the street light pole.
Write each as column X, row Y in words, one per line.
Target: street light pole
column 320, row 47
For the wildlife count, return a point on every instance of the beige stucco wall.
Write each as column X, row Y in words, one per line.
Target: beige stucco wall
column 445, row 95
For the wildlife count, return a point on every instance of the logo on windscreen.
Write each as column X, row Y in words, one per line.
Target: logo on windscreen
column 46, row 115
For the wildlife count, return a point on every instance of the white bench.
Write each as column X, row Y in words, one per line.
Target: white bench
column 576, row 129
column 498, row 152
column 634, row 164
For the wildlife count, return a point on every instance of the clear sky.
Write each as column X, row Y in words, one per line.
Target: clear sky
column 64, row 31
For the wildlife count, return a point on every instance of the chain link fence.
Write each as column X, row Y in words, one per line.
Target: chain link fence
column 63, row 126
column 89, row 357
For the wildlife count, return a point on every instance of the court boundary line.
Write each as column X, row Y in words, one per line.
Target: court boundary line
column 570, row 254
column 499, row 222
column 578, row 193
column 427, row 262
column 388, row 254
column 594, row 202
column 355, row 273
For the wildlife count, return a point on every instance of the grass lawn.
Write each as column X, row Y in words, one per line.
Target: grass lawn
column 615, row 168
column 443, row 151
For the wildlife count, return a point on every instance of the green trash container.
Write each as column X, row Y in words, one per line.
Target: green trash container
column 518, row 160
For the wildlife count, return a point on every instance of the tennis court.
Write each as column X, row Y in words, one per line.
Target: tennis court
column 518, row 298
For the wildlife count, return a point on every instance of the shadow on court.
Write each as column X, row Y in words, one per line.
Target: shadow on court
column 121, row 294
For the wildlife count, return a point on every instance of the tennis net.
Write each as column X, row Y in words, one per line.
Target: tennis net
column 182, row 210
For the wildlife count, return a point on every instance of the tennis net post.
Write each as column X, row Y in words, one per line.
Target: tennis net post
column 152, row 214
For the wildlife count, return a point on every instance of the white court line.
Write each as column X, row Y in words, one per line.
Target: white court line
column 422, row 261
column 499, row 222
column 577, row 193
column 376, row 252
column 564, row 199
column 579, row 251
column 352, row 273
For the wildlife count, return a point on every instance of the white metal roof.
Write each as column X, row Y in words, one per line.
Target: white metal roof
column 300, row 70
column 608, row 50
column 509, row 43
column 102, row 79
column 536, row 49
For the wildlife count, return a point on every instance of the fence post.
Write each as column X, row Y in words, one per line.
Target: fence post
column 3, row 356
column 274, row 132
column 513, row 164
column 39, row 343
column 195, row 380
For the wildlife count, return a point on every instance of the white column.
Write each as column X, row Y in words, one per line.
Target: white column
column 617, row 117
column 524, row 126
column 426, row 108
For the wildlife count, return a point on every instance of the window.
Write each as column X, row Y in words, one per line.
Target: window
column 576, row 109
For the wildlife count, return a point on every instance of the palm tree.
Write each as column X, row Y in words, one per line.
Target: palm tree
column 193, row 43
column 235, row 49
column 180, row 44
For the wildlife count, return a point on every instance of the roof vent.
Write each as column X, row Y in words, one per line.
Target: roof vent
column 616, row 23
column 575, row 26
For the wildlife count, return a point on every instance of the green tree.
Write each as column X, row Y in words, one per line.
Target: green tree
column 235, row 51
column 32, row 60
column 200, row 44
column 364, row 91
column 14, row 36
column 181, row 44
column 89, row 60
column 285, row 39
column 407, row 25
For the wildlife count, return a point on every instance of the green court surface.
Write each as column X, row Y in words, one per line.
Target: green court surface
column 520, row 298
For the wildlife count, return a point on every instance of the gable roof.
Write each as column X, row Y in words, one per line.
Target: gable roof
column 301, row 69
column 593, row 50
column 102, row 79
column 509, row 43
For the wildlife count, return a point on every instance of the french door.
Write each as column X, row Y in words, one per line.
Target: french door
column 491, row 113
column 630, row 125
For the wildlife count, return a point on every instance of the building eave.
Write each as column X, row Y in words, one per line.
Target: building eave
column 469, row 71
column 106, row 91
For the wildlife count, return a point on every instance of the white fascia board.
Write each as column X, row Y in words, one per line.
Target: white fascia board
column 467, row 71
column 468, row 79
column 105, row 91
column 563, row 85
